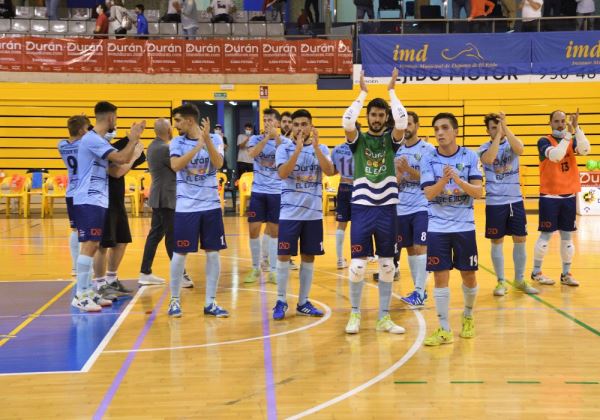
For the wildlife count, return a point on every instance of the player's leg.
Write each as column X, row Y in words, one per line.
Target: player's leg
column 212, row 240
column 548, row 223
column 122, row 237
column 566, row 226
column 256, row 216
column 517, row 228
column 273, row 207
column 311, row 244
column 342, row 216
column 464, row 249
column 73, row 237
column 417, row 260
column 155, row 235
column 289, row 234
column 496, row 220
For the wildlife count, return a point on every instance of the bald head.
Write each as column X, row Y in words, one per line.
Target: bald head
column 162, row 128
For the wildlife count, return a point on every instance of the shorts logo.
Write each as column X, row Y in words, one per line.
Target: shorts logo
column 357, row 248
column 546, row 225
column 183, row 243
column 492, row 231
column 96, row 231
column 284, row 245
column 433, row 260
column 251, row 213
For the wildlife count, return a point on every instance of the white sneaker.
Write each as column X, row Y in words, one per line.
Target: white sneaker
column 568, row 280
column 99, row 300
column 150, row 280
column 542, row 279
column 73, row 273
column 342, row 263
column 353, row 325
column 386, row 324
column 293, row 265
column 187, row 282
column 85, row 303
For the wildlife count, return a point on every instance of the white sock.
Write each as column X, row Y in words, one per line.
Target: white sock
column 339, row 243
column 306, row 276
column 98, row 282
column 273, row 247
column 283, row 275
column 469, row 293
column 498, row 260
column 420, row 262
column 264, row 249
column 213, row 270
column 412, row 265
column 74, row 247
column 255, row 251
column 84, row 263
column 111, row 277
column 177, row 267
column 442, row 301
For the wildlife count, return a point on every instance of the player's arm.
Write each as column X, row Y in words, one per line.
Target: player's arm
column 582, row 144
column 488, row 157
column 285, row 169
column 117, row 171
column 180, row 162
column 432, row 190
column 353, row 111
column 515, row 143
column 398, row 112
column 474, row 185
column 324, row 162
column 125, row 155
column 216, row 155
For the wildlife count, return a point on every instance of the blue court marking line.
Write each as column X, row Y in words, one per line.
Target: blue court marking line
column 110, row 394
column 34, row 315
column 551, row 306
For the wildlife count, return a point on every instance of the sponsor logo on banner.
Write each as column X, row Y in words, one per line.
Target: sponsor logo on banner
column 164, row 56
column 344, row 57
column 85, row 55
column 242, row 56
column 126, row 56
column 316, row 56
column 203, row 56
column 11, row 54
column 590, row 179
column 278, row 56
column 44, row 54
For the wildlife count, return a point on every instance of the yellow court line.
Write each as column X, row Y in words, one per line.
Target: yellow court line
column 37, row 313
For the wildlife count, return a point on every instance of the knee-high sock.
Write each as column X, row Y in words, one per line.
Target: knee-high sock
column 273, row 244
column 469, row 294
column 412, row 261
column 264, row 249
column 420, row 275
column 177, row 266
column 283, row 275
column 357, row 281
column 84, row 263
column 498, row 260
column 540, row 250
column 74, row 247
column 519, row 259
column 442, row 301
column 567, row 250
column 339, row 243
column 255, row 251
column 386, row 278
column 213, row 271
column 306, row 276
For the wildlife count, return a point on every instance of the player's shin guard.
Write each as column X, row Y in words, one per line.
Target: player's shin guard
column 567, row 250
column 306, row 277
column 357, row 277
column 283, row 275
column 176, row 272
column 540, row 251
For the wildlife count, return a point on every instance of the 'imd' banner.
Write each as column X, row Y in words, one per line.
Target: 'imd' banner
column 175, row 56
column 481, row 55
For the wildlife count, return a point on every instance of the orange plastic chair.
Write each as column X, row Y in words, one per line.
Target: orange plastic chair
column 54, row 187
column 221, row 181
column 132, row 191
column 17, row 187
column 330, row 189
column 245, row 189
column 145, row 186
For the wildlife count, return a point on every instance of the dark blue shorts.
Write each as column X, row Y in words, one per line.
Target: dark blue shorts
column 412, row 229
column 204, row 226
column 309, row 232
column 557, row 214
column 70, row 211
column 505, row 219
column 264, row 208
column 377, row 221
column 343, row 209
column 90, row 220
column 451, row 250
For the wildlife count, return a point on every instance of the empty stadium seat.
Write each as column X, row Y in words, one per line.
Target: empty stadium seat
column 58, row 27
column 23, row 12
column 240, row 29
column 39, row 13
column 20, row 25
column 4, row 25
column 167, row 28
column 205, row 29
column 39, row 26
column 222, row 29
column 275, row 29
column 257, row 29
column 153, row 28
column 77, row 27
column 90, row 26
column 152, row 15
column 80, row 13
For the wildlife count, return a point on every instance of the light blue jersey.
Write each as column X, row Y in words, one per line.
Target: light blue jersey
column 68, row 153
column 502, row 184
column 302, row 190
column 197, row 188
column 452, row 210
column 92, row 165
column 410, row 196
column 342, row 159
column 266, row 179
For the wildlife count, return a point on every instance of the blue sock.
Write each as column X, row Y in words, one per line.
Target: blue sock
column 442, row 301
column 498, row 260
column 84, row 264
column 469, row 294
column 420, row 262
column 273, row 246
column 177, row 266
column 339, row 243
column 74, row 247
column 213, row 271
column 412, row 265
column 283, row 275
column 385, row 296
column 255, row 251
column 306, row 277
column 520, row 259
column 356, row 288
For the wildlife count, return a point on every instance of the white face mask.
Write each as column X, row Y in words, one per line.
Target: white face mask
column 98, row 10
column 217, row 131
column 248, row 132
column 110, row 135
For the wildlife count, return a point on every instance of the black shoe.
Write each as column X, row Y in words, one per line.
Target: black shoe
column 118, row 286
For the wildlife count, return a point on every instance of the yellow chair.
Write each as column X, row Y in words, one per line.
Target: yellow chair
column 132, row 190
column 245, row 188
column 17, row 187
column 221, row 181
column 54, row 187
column 330, row 190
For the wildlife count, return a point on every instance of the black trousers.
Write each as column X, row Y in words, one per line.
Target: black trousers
column 315, row 6
column 161, row 226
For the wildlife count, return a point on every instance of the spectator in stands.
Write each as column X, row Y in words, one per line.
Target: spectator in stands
column 52, row 9
column 189, row 17
column 302, row 22
column 171, row 15
column 509, row 10
column 364, row 7
column 551, row 9
column 7, row 9
column 219, row 132
column 585, row 8
column 315, row 7
column 276, row 7
column 244, row 162
column 531, row 11
column 142, row 22
column 221, row 11
column 480, row 9
column 101, row 30
column 457, row 5
column 119, row 16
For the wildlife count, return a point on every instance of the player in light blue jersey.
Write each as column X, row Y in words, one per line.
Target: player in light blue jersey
column 341, row 156
column 504, row 208
column 265, row 198
column 451, row 180
column 196, row 155
column 301, row 166
column 77, row 125
column 411, row 210
column 90, row 197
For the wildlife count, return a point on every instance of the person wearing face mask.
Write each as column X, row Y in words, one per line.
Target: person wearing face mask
column 101, row 30
column 244, row 161
column 559, row 182
column 219, row 132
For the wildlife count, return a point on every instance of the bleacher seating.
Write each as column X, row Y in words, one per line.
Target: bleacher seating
column 39, row 13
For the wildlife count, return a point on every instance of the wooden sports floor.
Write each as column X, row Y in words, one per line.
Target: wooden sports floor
column 533, row 357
